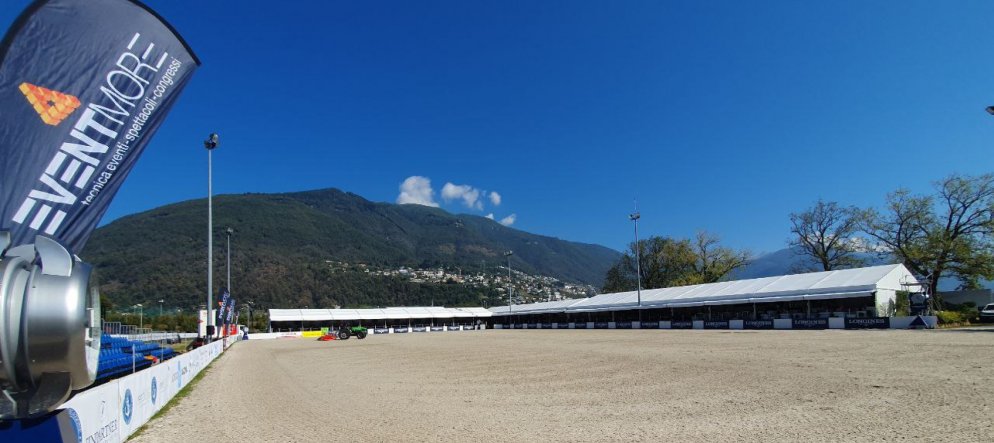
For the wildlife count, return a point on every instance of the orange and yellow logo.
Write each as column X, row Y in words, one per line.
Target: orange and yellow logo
column 51, row 106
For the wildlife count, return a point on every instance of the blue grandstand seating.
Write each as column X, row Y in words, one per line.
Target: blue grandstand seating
column 120, row 356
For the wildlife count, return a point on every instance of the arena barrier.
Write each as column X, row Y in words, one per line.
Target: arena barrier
column 111, row 412
column 928, row 321
column 273, row 335
column 372, row 331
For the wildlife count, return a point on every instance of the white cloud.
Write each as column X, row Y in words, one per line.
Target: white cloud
column 490, row 215
column 416, row 190
column 509, row 220
column 469, row 195
column 495, row 198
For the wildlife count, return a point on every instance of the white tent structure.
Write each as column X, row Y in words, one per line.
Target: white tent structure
column 879, row 282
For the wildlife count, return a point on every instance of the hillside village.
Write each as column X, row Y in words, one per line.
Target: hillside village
column 527, row 288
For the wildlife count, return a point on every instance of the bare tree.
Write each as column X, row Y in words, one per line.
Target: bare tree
column 825, row 233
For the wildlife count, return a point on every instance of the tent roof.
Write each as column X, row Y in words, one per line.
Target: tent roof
column 537, row 308
column 815, row 285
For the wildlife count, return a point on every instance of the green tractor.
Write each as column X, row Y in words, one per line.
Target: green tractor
column 345, row 332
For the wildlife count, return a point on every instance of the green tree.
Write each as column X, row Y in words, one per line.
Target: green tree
column 106, row 306
column 669, row 262
column 713, row 261
column 945, row 235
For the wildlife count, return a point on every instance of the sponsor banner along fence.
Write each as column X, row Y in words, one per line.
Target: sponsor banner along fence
column 757, row 324
column 817, row 323
column 868, row 323
column 803, row 323
column 809, row 323
column 111, row 412
column 273, row 335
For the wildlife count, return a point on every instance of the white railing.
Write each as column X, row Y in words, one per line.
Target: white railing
column 114, row 410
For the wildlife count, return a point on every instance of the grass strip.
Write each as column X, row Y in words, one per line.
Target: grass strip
column 176, row 398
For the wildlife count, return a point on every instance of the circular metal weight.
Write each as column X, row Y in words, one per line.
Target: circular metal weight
column 49, row 328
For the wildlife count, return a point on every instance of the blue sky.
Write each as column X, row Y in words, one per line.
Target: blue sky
column 718, row 115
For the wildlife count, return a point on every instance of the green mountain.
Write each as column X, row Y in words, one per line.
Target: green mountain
column 283, row 244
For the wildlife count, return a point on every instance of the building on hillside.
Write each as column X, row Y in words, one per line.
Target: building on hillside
column 851, row 293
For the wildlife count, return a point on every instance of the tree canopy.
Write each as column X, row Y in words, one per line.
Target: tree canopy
column 669, row 262
column 824, row 232
column 948, row 234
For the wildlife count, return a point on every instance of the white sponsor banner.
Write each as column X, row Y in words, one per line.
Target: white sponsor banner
column 272, row 335
column 135, row 394
column 163, row 387
column 111, row 412
column 98, row 412
column 230, row 340
column 202, row 323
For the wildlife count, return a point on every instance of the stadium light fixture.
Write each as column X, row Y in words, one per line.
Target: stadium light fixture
column 210, row 144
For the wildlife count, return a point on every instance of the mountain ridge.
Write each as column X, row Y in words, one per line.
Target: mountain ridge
column 282, row 241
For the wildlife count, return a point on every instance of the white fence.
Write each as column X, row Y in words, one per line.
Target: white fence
column 158, row 336
column 114, row 410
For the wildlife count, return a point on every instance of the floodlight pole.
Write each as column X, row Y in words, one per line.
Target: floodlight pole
column 638, row 260
column 508, row 254
column 228, row 233
column 210, row 144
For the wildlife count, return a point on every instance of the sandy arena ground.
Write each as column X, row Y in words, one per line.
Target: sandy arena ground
column 597, row 385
